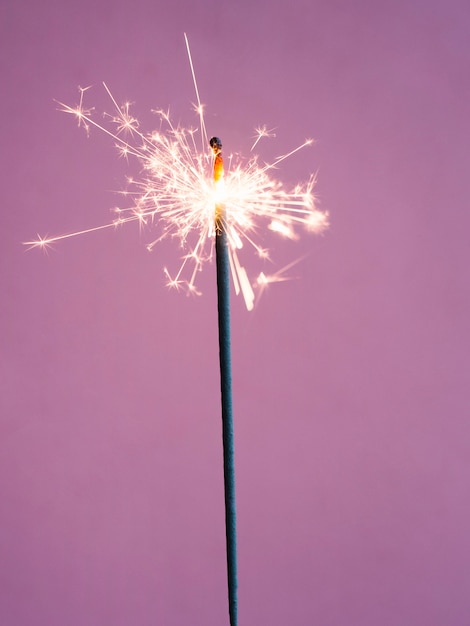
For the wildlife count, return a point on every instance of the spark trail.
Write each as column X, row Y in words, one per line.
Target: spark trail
column 176, row 193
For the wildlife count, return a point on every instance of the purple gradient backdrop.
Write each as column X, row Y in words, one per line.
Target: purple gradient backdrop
column 351, row 384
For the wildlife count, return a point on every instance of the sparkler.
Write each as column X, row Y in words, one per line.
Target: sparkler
column 223, row 305
column 185, row 190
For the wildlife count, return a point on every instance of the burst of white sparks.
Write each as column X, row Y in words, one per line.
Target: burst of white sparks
column 177, row 191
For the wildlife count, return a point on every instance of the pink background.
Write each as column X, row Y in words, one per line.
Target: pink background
column 351, row 384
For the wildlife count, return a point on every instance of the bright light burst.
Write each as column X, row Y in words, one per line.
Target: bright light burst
column 176, row 191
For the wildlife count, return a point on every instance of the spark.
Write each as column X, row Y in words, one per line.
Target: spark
column 176, row 193
column 262, row 131
column 264, row 280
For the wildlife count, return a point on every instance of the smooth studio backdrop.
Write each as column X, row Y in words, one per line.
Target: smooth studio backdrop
column 350, row 382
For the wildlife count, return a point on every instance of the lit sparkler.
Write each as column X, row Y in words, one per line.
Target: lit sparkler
column 186, row 190
column 177, row 193
column 225, row 360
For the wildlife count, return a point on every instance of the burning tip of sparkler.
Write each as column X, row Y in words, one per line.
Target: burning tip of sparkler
column 176, row 189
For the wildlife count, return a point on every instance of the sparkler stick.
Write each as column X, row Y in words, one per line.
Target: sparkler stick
column 223, row 303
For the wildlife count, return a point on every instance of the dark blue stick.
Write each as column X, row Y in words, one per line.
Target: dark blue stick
column 223, row 299
column 223, row 305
